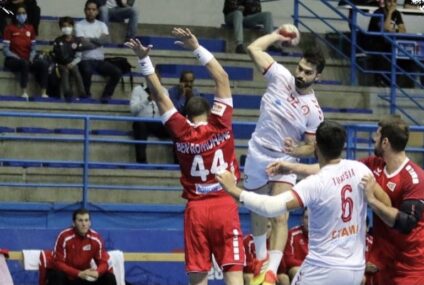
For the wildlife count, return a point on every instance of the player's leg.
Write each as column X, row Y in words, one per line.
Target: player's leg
column 198, row 278
column 279, row 232
column 226, row 239
column 256, row 179
column 196, row 245
column 233, row 274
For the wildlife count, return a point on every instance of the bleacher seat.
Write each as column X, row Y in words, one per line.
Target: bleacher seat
column 168, row 43
column 200, row 72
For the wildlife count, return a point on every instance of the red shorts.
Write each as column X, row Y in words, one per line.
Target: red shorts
column 383, row 257
column 212, row 226
column 408, row 280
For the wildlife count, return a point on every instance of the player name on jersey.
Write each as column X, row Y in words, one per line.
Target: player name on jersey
column 197, row 148
column 342, row 178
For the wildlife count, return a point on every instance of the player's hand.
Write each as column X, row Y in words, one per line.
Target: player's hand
column 278, row 167
column 138, row 49
column 228, row 182
column 368, row 183
column 371, row 268
column 185, row 38
column 93, row 273
column 289, row 146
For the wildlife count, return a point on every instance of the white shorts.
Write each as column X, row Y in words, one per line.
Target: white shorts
column 258, row 158
column 315, row 275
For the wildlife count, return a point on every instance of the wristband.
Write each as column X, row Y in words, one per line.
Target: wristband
column 146, row 66
column 203, row 55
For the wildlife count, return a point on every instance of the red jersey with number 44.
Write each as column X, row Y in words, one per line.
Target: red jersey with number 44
column 406, row 183
column 204, row 149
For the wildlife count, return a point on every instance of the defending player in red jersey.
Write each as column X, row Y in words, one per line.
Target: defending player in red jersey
column 398, row 230
column 204, row 144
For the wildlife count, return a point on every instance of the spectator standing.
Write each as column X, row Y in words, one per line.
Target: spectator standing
column 74, row 249
column 118, row 11
column 180, row 93
column 142, row 105
column 19, row 48
column 94, row 35
column 246, row 13
column 67, row 55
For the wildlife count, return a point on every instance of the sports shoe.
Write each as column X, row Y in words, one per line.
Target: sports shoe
column 259, row 270
column 44, row 95
column 270, row 278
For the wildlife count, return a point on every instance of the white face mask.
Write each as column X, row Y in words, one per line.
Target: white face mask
column 67, row 31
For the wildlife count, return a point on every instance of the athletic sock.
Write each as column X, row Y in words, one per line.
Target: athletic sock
column 260, row 246
column 275, row 257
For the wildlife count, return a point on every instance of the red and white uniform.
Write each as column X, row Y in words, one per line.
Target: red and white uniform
column 211, row 216
column 73, row 253
column 296, row 247
column 394, row 252
column 284, row 113
column 20, row 39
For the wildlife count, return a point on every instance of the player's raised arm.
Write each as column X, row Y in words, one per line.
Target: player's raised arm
column 189, row 41
column 257, row 49
column 148, row 71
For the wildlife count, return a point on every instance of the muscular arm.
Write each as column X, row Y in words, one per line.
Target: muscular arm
column 256, row 51
column 264, row 205
column 220, row 76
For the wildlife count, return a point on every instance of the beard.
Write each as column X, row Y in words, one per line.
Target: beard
column 378, row 151
column 300, row 84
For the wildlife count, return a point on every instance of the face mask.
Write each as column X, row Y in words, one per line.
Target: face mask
column 21, row 18
column 67, row 31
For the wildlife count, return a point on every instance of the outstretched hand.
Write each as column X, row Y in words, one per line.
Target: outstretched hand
column 138, row 49
column 278, row 167
column 228, row 183
column 185, row 38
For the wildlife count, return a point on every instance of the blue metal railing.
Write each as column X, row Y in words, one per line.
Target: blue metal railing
column 304, row 12
column 359, row 142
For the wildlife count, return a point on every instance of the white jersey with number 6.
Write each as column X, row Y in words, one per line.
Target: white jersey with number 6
column 337, row 215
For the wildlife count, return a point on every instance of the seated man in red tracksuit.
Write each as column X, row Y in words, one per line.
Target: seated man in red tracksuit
column 74, row 249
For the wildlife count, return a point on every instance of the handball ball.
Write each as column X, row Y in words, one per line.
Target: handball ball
column 289, row 31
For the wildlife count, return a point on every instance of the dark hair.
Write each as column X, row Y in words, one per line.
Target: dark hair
column 196, row 106
column 80, row 211
column 91, row 2
column 183, row 73
column 63, row 20
column 396, row 131
column 315, row 57
column 331, row 137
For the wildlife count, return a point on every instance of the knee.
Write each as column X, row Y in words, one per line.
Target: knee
column 133, row 12
column 237, row 16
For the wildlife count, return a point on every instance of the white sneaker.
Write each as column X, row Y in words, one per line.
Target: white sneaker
column 25, row 96
column 44, row 95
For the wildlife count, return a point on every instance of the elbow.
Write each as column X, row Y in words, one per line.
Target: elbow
column 251, row 49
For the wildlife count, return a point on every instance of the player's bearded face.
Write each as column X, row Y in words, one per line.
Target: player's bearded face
column 305, row 74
